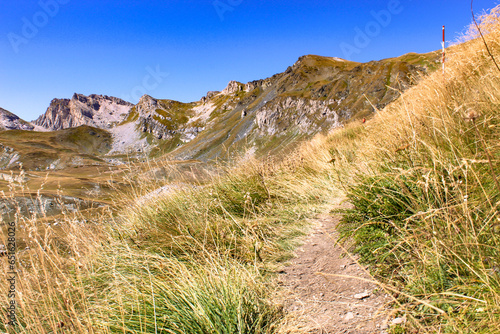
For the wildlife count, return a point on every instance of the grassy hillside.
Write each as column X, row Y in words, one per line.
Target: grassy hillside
column 38, row 150
column 422, row 177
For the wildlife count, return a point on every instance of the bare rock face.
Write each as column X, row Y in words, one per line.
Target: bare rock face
column 149, row 119
column 99, row 111
column 9, row 121
column 306, row 115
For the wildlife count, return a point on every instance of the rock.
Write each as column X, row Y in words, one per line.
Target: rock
column 349, row 316
column 164, row 119
column 11, row 178
column 398, row 321
column 361, row 296
column 232, row 88
column 209, row 95
column 304, row 114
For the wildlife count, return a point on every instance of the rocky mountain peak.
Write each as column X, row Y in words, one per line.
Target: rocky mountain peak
column 99, row 111
column 9, row 121
column 146, row 104
column 233, row 87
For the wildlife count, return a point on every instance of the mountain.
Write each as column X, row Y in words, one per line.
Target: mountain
column 9, row 121
column 99, row 111
column 315, row 94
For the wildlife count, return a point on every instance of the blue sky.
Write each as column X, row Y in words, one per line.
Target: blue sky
column 182, row 49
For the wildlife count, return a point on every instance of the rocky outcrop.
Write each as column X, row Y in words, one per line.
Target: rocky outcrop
column 99, row 111
column 166, row 119
column 262, row 84
column 8, row 157
column 9, row 121
column 43, row 206
column 154, row 127
column 209, row 95
column 305, row 115
column 233, row 87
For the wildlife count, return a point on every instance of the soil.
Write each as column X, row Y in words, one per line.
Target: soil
column 328, row 291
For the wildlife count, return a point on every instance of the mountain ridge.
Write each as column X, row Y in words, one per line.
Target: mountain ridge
column 315, row 94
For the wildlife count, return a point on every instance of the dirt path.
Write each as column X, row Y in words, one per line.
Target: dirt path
column 320, row 299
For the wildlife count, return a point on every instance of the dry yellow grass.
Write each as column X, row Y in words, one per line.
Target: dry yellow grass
column 423, row 177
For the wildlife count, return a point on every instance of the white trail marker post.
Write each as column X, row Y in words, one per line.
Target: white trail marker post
column 444, row 49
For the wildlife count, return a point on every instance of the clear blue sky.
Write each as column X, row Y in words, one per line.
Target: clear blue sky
column 182, row 49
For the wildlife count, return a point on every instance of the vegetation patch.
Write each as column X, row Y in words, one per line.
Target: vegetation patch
column 425, row 193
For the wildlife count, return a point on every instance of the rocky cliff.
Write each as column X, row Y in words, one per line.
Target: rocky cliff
column 99, row 111
column 9, row 121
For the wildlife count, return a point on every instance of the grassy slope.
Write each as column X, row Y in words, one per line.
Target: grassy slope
column 40, row 149
column 423, row 179
column 198, row 261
